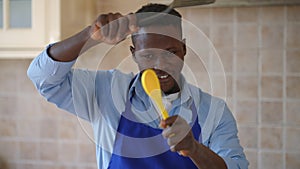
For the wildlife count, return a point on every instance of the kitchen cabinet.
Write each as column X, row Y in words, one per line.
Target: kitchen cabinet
column 27, row 26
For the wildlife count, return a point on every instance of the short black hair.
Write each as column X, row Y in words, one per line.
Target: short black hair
column 154, row 14
column 158, row 14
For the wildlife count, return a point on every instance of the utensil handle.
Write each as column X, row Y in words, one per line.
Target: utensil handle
column 165, row 114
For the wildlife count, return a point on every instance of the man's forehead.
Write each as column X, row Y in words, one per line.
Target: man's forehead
column 161, row 31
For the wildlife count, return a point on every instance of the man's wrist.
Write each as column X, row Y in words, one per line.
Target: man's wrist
column 195, row 152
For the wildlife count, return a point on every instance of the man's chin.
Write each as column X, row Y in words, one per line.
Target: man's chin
column 170, row 90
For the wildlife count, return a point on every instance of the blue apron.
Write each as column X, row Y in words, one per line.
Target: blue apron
column 139, row 146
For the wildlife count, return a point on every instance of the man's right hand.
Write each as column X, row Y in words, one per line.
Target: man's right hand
column 107, row 28
column 112, row 28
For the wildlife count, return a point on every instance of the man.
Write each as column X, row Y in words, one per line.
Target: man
column 200, row 132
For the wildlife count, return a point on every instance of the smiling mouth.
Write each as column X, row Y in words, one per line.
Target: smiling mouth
column 163, row 76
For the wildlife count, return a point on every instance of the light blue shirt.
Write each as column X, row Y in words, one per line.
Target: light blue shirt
column 99, row 97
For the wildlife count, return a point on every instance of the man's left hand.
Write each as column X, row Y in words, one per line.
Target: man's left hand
column 179, row 135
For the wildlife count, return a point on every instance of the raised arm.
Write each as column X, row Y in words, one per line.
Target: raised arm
column 108, row 28
column 51, row 71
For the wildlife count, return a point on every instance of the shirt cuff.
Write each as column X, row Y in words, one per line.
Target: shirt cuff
column 53, row 68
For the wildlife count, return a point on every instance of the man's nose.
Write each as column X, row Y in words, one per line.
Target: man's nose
column 160, row 63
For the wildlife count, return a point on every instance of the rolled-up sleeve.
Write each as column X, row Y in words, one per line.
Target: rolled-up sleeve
column 52, row 79
column 224, row 141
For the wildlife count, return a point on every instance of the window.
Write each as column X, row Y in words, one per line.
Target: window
column 19, row 23
column 27, row 26
column 19, row 13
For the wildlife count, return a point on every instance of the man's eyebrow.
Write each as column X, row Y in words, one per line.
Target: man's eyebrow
column 172, row 48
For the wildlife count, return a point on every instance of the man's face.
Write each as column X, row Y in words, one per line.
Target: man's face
column 161, row 49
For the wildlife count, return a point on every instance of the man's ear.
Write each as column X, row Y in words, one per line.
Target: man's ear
column 132, row 50
column 184, row 46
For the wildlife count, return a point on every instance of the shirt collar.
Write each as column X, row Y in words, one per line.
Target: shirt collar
column 185, row 93
column 136, row 87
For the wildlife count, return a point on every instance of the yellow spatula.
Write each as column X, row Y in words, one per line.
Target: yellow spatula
column 151, row 86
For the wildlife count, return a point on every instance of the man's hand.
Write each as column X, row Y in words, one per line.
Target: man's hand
column 179, row 135
column 113, row 27
column 108, row 28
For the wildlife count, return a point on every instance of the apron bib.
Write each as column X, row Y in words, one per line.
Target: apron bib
column 139, row 146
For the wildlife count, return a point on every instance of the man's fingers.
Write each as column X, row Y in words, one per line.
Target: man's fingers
column 113, row 26
column 169, row 132
column 123, row 28
column 178, row 147
column 174, row 135
column 132, row 23
column 175, row 130
column 103, row 24
column 179, row 135
column 174, row 140
column 169, row 121
column 95, row 32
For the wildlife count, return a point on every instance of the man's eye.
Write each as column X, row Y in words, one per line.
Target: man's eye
column 148, row 56
column 171, row 53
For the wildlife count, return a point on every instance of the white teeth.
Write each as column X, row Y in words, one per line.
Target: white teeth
column 163, row 77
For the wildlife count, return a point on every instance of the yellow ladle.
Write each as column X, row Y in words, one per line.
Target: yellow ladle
column 151, row 86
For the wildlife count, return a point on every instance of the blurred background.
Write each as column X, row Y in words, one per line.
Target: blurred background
column 258, row 43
